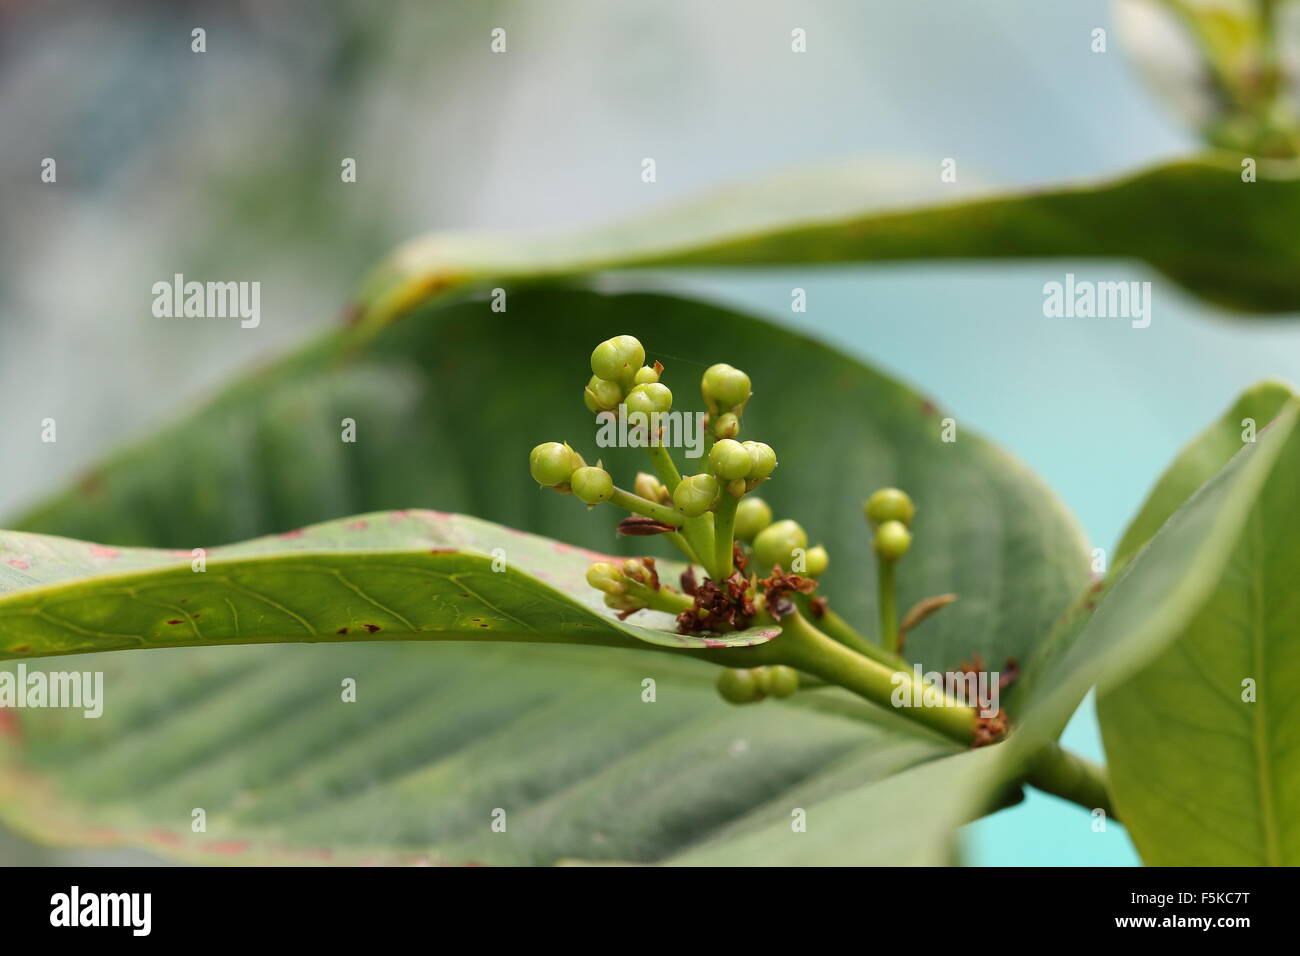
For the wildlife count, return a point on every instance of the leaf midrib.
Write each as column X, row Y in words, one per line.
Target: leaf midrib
column 1266, row 784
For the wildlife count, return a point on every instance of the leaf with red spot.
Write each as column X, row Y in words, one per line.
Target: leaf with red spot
column 408, row 575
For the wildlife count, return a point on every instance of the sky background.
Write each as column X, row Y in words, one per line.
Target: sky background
column 228, row 163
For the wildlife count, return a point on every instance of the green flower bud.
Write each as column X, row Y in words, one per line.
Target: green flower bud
column 695, row 495
column 889, row 504
column 601, row 396
column 752, row 516
column 724, row 387
column 774, row 544
column 647, row 374
column 727, row 426
column 552, row 463
column 591, row 484
column 650, row 488
column 816, row 560
column 652, row 397
column 606, row 577
column 730, row 460
column 617, row 359
column 762, row 458
column 739, row 686
column 636, row 570
column 780, row 681
column 892, row 540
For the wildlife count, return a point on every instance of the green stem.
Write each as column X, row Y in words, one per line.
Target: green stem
column 805, row 648
column 888, row 606
column 666, row 600
column 697, row 533
column 1072, row 778
column 682, row 545
column 724, row 523
column 848, row 635
column 662, row 462
column 647, row 508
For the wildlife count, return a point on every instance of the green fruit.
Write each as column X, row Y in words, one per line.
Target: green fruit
column 889, row 504
column 645, row 375
column 816, row 560
column 739, row 686
column 617, row 359
column 602, row 396
column 752, row 516
column 892, row 540
column 695, row 495
column 727, row 426
column 730, row 460
column 649, row 398
column 725, row 387
column 775, row 543
column 781, row 681
column 762, row 460
column 591, row 484
column 552, row 463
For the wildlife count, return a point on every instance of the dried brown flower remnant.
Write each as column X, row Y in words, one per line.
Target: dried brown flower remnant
column 989, row 730
column 718, row 608
column 776, row 587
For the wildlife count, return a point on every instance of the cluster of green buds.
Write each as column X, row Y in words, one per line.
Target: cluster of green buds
column 726, row 392
column 758, row 568
column 890, row 512
column 633, row 586
column 619, row 376
column 697, row 511
column 750, row 685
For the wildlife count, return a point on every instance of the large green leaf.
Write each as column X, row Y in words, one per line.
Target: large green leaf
column 902, row 820
column 446, row 405
column 1145, row 605
column 1198, row 462
column 1204, row 771
column 439, row 737
column 1195, row 220
column 390, row 576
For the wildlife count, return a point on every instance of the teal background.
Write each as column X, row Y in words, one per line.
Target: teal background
column 228, row 164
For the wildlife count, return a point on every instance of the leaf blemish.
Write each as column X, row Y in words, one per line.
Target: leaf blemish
column 372, row 628
column 341, row 630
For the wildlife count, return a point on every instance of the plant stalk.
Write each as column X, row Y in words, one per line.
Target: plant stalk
column 888, row 606
column 724, row 523
column 844, row 632
column 805, row 648
column 1071, row 777
column 647, row 508
column 662, row 462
